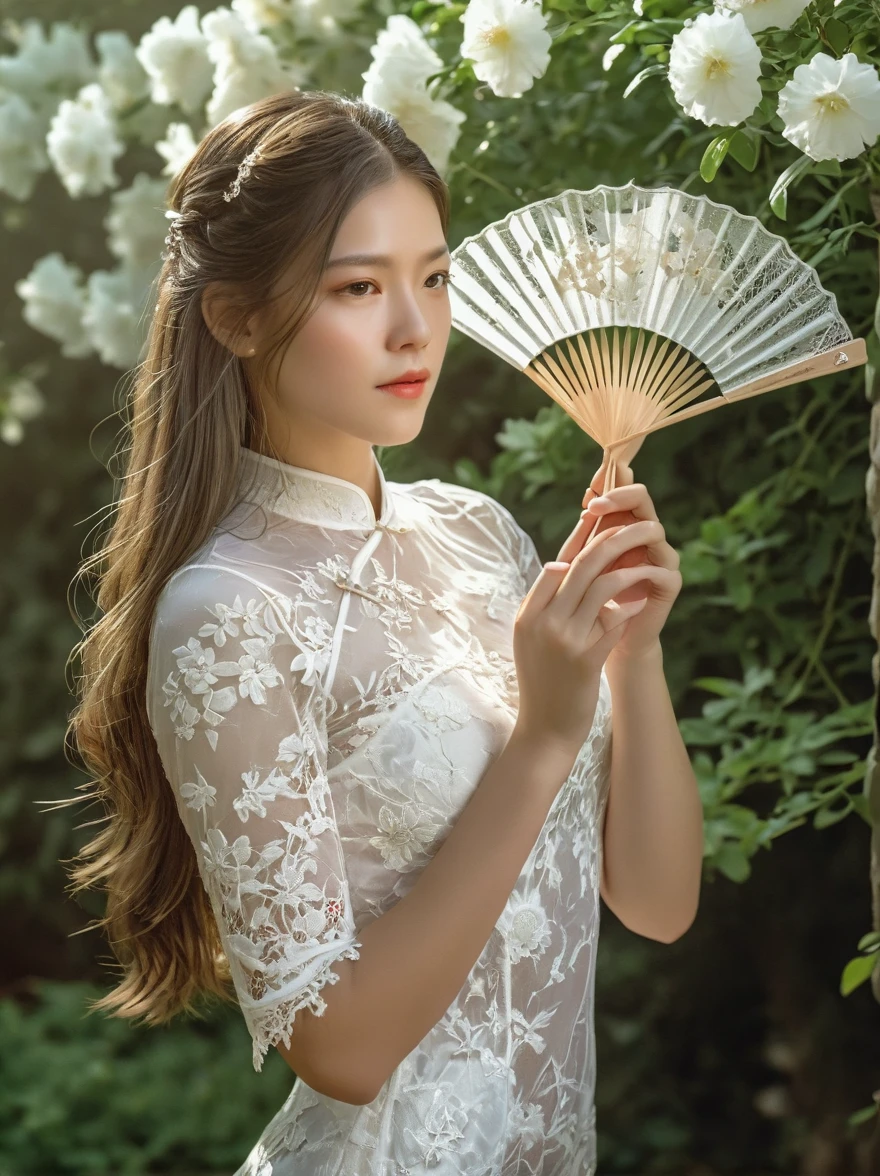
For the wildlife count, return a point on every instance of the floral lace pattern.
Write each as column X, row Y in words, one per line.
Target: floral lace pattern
column 326, row 692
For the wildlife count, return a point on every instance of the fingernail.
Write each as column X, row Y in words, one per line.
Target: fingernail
column 600, row 502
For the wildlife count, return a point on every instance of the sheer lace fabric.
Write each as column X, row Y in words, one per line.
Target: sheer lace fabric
column 326, row 690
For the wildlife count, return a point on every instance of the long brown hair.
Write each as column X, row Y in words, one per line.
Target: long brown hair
column 191, row 407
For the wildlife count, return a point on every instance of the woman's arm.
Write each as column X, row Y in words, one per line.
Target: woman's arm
column 652, row 858
column 415, row 959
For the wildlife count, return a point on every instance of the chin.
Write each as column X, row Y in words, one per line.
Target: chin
column 405, row 428
column 398, row 436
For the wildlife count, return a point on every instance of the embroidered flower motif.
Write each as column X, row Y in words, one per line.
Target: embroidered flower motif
column 256, row 795
column 441, row 1125
column 525, row 926
column 257, row 670
column 526, row 1123
column 198, row 795
column 227, row 622
column 443, row 706
column 525, row 1032
column 197, row 665
column 314, row 657
column 402, row 836
column 227, row 863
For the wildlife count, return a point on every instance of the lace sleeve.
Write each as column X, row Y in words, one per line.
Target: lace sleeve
column 527, row 558
column 238, row 714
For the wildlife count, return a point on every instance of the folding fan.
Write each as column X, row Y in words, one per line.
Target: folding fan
column 627, row 304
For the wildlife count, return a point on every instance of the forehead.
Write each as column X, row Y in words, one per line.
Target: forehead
column 397, row 221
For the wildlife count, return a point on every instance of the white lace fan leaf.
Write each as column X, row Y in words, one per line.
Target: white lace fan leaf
column 657, row 297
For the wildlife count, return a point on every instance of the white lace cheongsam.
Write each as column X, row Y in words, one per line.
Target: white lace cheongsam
column 326, row 690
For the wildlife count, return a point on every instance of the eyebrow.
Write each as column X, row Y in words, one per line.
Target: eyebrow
column 381, row 258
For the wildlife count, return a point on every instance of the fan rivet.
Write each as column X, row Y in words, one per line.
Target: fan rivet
column 842, row 357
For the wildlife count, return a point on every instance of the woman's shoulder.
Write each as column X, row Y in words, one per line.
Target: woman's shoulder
column 451, row 499
column 214, row 589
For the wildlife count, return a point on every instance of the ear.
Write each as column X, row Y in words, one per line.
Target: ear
column 223, row 319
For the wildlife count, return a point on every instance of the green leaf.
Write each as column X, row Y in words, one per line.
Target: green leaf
column 726, row 687
column 863, row 1115
column 826, row 167
column 856, row 972
column 713, row 155
column 745, row 147
column 871, row 940
column 647, row 72
column 733, row 863
column 837, row 35
column 779, row 191
column 829, row 816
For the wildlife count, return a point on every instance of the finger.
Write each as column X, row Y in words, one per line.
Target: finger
column 634, row 498
column 577, row 540
column 662, row 555
column 605, row 588
column 581, row 584
column 623, row 477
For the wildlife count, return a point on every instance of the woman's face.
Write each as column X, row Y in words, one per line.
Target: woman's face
column 372, row 322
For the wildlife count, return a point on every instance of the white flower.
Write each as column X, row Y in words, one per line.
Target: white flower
column 831, row 109
column 113, row 314
column 508, row 43
column 120, row 73
column 177, row 147
column 431, row 122
column 175, row 55
column 396, row 82
column 246, row 65
column 323, row 18
column 54, row 300
column 308, row 18
column 714, row 67
column 83, row 142
column 402, row 57
column 45, row 68
column 22, row 146
column 766, row 14
column 24, row 401
column 264, row 14
column 136, row 221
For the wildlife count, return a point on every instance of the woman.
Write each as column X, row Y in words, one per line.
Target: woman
column 353, row 737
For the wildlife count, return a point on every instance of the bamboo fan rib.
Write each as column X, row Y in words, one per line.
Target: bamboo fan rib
column 628, row 304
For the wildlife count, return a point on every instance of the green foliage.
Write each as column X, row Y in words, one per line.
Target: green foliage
column 88, row 1094
column 767, row 650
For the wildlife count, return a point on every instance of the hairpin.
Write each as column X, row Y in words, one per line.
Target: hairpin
column 175, row 234
column 244, row 169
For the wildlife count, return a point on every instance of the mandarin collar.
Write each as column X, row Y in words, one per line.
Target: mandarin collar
column 313, row 497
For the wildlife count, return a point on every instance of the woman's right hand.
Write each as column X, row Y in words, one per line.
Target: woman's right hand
column 565, row 629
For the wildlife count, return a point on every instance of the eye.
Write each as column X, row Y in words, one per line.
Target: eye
column 444, row 274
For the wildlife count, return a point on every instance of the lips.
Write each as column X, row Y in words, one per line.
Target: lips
column 410, row 377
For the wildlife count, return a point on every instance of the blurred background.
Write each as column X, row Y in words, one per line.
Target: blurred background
column 751, row 1044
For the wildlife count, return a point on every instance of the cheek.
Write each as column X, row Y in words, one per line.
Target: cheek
column 331, row 349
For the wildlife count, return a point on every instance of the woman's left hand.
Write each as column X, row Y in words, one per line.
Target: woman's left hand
column 630, row 502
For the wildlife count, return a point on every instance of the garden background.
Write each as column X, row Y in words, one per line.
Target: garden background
column 749, row 1045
